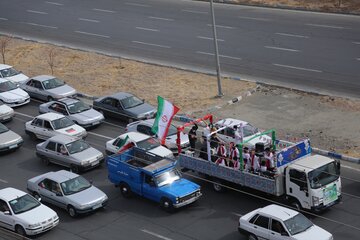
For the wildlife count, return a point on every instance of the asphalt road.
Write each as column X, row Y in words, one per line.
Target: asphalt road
column 214, row 216
column 310, row 51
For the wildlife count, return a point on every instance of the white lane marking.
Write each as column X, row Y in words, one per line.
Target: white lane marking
column 155, row 234
column 221, row 26
column 298, row 68
column 88, row 20
column 40, row 25
column 324, row 26
column 351, row 168
column 208, row 38
column 4, row 19
column 54, row 3
column 292, row 35
column 356, row 43
column 92, row 34
column 151, row 44
column 37, row 12
column 223, row 56
column 159, row 18
column 237, row 214
column 358, row 59
column 3, row 181
column 103, row 10
column 99, row 135
column 256, row 19
column 147, row 29
column 193, row 11
column 137, row 4
column 282, row 49
column 23, row 114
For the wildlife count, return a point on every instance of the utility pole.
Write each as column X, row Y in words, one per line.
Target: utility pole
column 220, row 94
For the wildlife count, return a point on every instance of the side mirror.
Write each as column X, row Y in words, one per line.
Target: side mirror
column 7, row 213
column 39, row 199
column 91, row 181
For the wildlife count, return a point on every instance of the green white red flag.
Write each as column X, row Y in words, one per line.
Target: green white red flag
column 124, row 144
column 165, row 113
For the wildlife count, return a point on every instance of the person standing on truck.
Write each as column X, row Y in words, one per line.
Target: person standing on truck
column 246, row 158
column 234, row 156
column 269, row 156
column 254, row 161
column 192, row 137
column 221, row 154
column 237, row 135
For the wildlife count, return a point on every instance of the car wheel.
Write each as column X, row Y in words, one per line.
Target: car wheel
column 74, row 168
column 45, row 161
column 32, row 135
column 36, row 195
column 167, row 205
column 217, row 186
column 125, row 190
column 71, row 210
column 252, row 237
column 50, row 98
column 20, row 230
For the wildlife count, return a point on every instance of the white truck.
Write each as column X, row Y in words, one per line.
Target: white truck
column 307, row 181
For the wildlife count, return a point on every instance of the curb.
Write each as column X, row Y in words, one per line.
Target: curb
column 86, row 96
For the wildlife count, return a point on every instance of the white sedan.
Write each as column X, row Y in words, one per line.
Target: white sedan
column 274, row 222
column 24, row 214
column 48, row 125
column 10, row 73
column 6, row 112
column 12, row 95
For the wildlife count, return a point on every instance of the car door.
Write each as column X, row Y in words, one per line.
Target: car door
column 48, row 130
column 108, row 106
column 50, row 192
column 62, row 155
column 227, row 135
column 144, row 129
column 277, row 231
column 261, row 227
column 6, row 220
column 36, row 127
column 114, row 147
column 149, row 188
column 50, row 151
column 58, row 108
column 297, row 185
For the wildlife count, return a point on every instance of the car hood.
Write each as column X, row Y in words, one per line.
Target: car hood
column 87, row 196
column 313, row 232
column 4, row 109
column 140, row 109
column 9, row 137
column 263, row 139
column 171, row 140
column 15, row 94
column 161, row 151
column 72, row 130
column 18, row 78
column 37, row 215
column 88, row 116
column 180, row 188
column 88, row 154
column 62, row 91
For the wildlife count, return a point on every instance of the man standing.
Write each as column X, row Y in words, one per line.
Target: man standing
column 192, row 137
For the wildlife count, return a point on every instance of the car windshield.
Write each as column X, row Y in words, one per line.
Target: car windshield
column 62, row 123
column 23, row 204
column 75, row 185
column 323, row 175
column 249, row 130
column 131, row 102
column 7, row 86
column 167, row 178
column 3, row 128
column 9, row 72
column 148, row 144
column 297, row 224
column 78, row 107
column 77, row 146
column 53, row 83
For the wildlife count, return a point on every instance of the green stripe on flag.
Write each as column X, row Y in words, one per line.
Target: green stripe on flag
column 160, row 110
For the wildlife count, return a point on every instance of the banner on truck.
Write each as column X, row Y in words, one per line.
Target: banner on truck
column 293, row 152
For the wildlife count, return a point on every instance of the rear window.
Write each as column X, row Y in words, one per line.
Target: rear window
column 262, row 221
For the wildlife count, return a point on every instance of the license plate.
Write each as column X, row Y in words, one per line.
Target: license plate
column 97, row 206
column 95, row 123
column 94, row 163
column 13, row 146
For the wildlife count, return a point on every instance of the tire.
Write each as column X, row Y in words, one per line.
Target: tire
column 36, row 195
column 125, row 190
column 252, row 237
column 217, row 186
column 72, row 212
column 167, row 205
column 74, row 168
column 50, row 98
column 45, row 160
column 20, row 230
column 32, row 135
column 295, row 204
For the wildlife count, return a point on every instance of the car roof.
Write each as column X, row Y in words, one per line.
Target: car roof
column 68, row 101
column 230, row 122
column 311, row 162
column 4, row 66
column 50, row 116
column 278, row 212
column 42, row 78
column 10, row 193
column 61, row 176
column 63, row 139
column 121, row 95
column 134, row 136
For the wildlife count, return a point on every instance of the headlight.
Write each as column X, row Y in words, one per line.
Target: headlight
column 177, row 199
column 34, row 225
column 85, row 162
column 316, row 201
column 9, row 100
column 55, row 217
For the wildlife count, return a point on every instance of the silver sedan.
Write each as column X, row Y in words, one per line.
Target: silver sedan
column 76, row 110
column 70, row 152
column 67, row 190
column 9, row 140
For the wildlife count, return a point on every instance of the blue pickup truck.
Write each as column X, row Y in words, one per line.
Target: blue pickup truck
column 140, row 172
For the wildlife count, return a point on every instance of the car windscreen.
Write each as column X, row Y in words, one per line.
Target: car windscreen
column 9, row 72
column 75, row 185
column 167, row 178
column 7, row 86
column 53, row 83
column 3, row 128
column 297, row 224
column 78, row 107
column 249, row 130
column 23, row 204
column 61, row 123
column 131, row 102
column 148, row 144
column 323, row 175
column 77, row 146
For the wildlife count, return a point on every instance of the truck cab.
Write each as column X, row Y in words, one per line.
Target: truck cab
column 313, row 182
column 138, row 172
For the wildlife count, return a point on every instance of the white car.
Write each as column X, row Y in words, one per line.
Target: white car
column 6, row 112
column 48, row 125
column 24, row 214
column 144, row 126
column 11, row 94
column 274, row 222
column 9, row 73
column 140, row 140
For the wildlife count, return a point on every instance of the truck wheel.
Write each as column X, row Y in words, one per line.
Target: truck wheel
column 20, row 230
column 167, row 205
column 295, row 204
column 252, row 237
column 125, row 190
column 71, row 210
column 217, row 186
column 74, row 168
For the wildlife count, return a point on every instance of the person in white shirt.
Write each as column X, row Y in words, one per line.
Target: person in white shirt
column 269, row 156
column 246, row 158
column 234, row 157
column 237, row 135
column 254, row 161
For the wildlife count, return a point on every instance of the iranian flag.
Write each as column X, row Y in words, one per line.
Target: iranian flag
column 165, row 113
column 125, row 144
